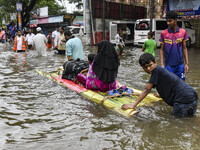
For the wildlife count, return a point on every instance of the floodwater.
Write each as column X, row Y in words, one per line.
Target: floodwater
column 36, row 113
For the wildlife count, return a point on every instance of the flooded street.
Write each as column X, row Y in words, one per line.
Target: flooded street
column 36, row 113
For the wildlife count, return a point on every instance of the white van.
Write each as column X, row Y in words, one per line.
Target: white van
column 78, row 31
column 126, row 26
column 158, row 25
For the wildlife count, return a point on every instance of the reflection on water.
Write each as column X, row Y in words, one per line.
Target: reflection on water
column 36, row 113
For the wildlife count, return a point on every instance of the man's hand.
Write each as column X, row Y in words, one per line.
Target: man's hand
column 186, row 68
column 162, row 65
column 128, row 106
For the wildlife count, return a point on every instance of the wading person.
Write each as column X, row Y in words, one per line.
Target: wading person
column 74, row 47
column 119, row 42
column 174, row 91
column 40, row 43
column 61, row 42
column 19, row 45
column 49, row 40
column 29, row 39
column 173, row 47
column 3, row 36
column 55, row 37
column 149, row 46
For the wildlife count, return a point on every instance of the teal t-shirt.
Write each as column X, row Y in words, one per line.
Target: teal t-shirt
column 74, row 48
column 150, row 46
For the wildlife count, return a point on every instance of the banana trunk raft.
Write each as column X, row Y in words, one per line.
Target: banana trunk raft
column 112, row 103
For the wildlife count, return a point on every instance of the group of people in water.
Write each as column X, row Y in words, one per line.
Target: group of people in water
column 102, row 73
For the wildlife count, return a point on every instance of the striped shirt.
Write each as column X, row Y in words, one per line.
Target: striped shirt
column 173, row 45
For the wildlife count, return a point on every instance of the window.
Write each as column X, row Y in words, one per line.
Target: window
column 142, row 25
column 161, row 25
column 188, row 25
column 75, row 31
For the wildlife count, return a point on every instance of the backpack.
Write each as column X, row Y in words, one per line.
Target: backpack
column 73, row 67
column 49, row 40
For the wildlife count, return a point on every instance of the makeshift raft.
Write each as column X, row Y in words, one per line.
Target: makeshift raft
column 113, row 104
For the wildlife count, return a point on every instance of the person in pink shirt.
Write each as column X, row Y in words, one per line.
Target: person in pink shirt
column 3, row 36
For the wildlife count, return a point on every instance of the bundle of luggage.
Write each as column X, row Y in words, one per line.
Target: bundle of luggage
column 72, row 68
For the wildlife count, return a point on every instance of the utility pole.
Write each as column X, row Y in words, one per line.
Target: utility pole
column 19, row 18
column 103, row 19
column 151, row 2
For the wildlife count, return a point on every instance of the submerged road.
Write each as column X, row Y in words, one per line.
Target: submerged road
column 36, row 113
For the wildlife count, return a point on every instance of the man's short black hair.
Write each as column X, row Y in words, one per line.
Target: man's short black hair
column 150, row 33
column 146, row 58
column 68, row 33
column 171, row 15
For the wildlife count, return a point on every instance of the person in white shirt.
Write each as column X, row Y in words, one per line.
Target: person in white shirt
column 29, row 39
column 119, row 42
column 19, row 45
column 40, row 43
column 55, row 37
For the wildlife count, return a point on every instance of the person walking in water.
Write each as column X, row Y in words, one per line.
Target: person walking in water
column 3, row 36
column 119, row 42
column 74, row 47
column 149, row 46
column 49, row 41
column 29, row 39
column 55, row 36
column 61, row 42
column 40, row 43
column 19, row 45
column 173, row 47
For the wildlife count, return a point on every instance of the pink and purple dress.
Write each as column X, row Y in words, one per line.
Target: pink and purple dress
column 92, row 82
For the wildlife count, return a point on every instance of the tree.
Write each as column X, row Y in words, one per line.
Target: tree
column 9, row 6
column 78, row 3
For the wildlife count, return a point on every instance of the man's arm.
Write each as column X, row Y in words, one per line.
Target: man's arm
column 162, row 55
column 185, row 53
column 143, row 47
column 144, row 93
column 69, row 51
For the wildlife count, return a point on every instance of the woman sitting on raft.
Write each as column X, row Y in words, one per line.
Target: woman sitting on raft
column 103, row 71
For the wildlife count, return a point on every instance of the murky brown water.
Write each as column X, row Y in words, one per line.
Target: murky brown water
column 36, row 113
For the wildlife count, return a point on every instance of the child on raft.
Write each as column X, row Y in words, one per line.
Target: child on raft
column 90, row 60
column 174, row 91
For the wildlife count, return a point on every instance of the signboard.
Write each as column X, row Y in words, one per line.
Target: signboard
column 43, row 12
column 19, row 6
column 55, row 19
column 42, row 20
column 19, row 20
column 128, row 2
column 33, row 23
column 185, row 7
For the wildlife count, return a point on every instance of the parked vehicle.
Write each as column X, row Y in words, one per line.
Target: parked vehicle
column 78, row 31
column 158, row 25
column 126, row 26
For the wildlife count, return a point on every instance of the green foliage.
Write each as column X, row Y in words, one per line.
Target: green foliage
column 78, row 3
column 53, row 7
column 9, row 6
